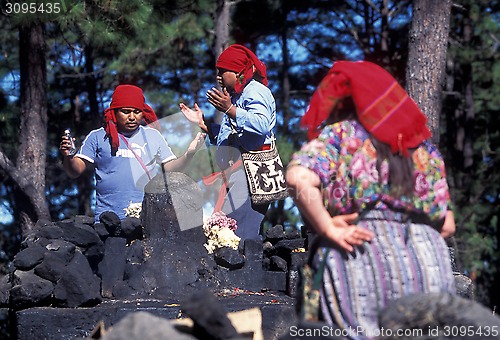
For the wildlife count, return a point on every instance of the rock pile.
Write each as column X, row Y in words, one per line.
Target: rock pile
column 54, row 266
column 62, row 263
column 76, row 262
column 79, row 263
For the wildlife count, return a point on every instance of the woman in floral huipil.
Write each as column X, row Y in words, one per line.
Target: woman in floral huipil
column 377, row 169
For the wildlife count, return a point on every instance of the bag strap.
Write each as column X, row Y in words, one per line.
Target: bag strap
column 136, row 156
column 235, row 133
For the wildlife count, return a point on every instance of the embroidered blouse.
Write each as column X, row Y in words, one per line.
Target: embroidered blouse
column 344, row 158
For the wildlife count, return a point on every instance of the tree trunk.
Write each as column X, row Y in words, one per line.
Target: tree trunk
column 427, row 57
column 31, row 203
column 222, row 23
column 221, row 41
column 285, row 99
column 384, row 34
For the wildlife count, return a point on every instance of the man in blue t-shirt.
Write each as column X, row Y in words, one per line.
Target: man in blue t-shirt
column 124, row 154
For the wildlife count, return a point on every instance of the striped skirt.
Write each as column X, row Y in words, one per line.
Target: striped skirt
column 402, row 259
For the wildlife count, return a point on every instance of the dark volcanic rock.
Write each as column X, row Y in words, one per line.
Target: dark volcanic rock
column 287, row 246
column 268, row 249
column 112, row 266
column 209, row 317
column 293, row 233
column 274, row 234
column 132, row 229
column 173, row 241
column 63, row 249
column 111, row 222
column 297, row 260
column 274, row 281
column 34, row 240
column 84, row 219
column 78, row 285
column 171, row 267
column 278, row 264
column 284, row 248
column 5, row 286
column 432, row 312
column 135, row 253
column 229, row 258
column 29, row 289
column 251, row 276
column 144, row 325
column 101, row 230
column 94, row 254
column 50, row 232
column 177, row 199
column 28, row 258
column 52, row 267
column 266, row 263
column 80, row 234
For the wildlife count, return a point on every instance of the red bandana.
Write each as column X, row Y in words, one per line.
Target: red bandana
column 127, row 96
column 238, row 58
column 383, row 106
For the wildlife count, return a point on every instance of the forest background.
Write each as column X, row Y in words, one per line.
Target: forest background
column 58, row 70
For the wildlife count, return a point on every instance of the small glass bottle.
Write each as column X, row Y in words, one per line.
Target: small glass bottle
column 72, row 150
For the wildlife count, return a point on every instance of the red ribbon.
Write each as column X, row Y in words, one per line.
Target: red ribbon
column 224, row 175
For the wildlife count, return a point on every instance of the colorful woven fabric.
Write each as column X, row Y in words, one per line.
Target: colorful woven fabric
column 402, row 259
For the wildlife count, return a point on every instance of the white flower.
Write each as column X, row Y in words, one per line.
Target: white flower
column 133, row 210
column 219, row 230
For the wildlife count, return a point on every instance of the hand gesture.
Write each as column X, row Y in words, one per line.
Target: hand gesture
column 194, row 116
column 221, row 100
column 196, row 143
column 344, row 220
column 347, row 235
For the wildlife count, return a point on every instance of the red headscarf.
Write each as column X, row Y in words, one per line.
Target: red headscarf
column 238, row 58
column 383, row 106
column 127, row 96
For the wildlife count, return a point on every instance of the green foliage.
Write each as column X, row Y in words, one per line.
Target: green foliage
column 286, row 149
column 475, row 188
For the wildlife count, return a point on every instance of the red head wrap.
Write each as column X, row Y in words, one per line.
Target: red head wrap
column 383, row 106
column 127, row 96
column 238, row 58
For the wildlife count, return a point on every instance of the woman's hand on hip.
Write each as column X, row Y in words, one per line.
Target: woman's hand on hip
column 346, row 235
column 344, row 220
